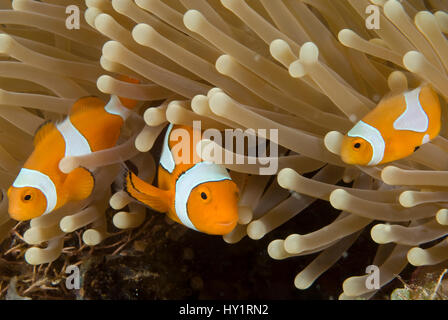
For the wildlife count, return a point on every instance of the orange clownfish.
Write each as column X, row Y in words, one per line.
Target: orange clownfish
column 195, row 193
column 41, row 186
column 396, row 128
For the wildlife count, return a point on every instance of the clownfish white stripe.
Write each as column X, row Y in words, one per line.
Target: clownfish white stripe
column 75, row 143
column 414, row 118
column 166, row 159
column 200, row 173
column 372, row 136
column 425, row 139
column 115, row 107
column 36, row 179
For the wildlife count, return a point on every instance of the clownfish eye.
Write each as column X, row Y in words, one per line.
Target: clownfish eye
column 205, row 193
column 416, row 148
column 27, row 197
column 357, row 145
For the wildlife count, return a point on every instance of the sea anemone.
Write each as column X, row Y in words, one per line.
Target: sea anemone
column 307, row 69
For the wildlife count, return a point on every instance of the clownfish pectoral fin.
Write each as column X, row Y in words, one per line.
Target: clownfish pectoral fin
column 79, row 184
column 146, row 193
column 85, row 103
column 41, row 132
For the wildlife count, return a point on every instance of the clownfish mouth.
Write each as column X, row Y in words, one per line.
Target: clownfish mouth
column 226, row 223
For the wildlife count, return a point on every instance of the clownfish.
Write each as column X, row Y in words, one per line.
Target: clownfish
column 198, row 194
column 41, row 187
column 395, row 129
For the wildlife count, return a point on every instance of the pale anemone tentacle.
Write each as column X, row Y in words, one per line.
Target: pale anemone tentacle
column 290, row 207
column 155, row 116
column 21, row 118
column 107, row 25
column 196, row 45
column 136, row 214
column 385, row 233
column 116, row 52
column 430, row 256
column 395, row 263
column 224, row 106
column 200, row 105
column 41, row 8
column 36, row 256
column 195, row 21
column 80, row 70
column 426, row 22
column 120, row 200
column 296, row 244
column 97, row 233
column 54, row 25
column 352, row 40
column 251, row 195
column 143, row 92
column 354, row 105
column 38, row 235
column 323, row 262
column 177, row 112
column 225, row 64
column 394, row 11
column 333, row 247
column 131, row 219
column 61, row 86
column 101, row 158
column 38, row 101
column 149, row 37
column 253, row 165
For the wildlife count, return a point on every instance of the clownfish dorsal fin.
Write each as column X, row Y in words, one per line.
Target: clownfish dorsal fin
column 146, row 193
column 127, row 102
column 79, row 184
column 86, row 103
column 43, row 130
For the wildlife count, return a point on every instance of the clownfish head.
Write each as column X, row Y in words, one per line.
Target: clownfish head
column 363, row 145
column 356, row 150
column 26, row 203
column 213, row 207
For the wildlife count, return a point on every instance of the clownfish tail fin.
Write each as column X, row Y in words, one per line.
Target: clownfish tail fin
column 127, row 102
column 146, row 193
